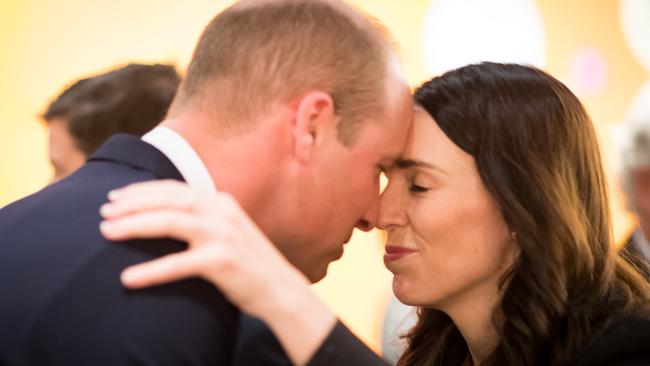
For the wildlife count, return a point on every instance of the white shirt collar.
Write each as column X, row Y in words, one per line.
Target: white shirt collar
column 183, row 156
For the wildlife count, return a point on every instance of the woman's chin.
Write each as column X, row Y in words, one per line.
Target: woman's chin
column 400, row 289
column 407, row 293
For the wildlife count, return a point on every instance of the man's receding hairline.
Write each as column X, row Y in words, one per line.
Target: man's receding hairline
column 368, row 31
column 357, row 16
column 334, row 4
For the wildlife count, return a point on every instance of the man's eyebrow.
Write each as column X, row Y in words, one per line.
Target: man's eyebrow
column 389, row 161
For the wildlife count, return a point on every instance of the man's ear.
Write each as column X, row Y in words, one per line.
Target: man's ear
column 314, row 115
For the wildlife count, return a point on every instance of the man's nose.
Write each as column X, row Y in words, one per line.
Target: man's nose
column 369, row 219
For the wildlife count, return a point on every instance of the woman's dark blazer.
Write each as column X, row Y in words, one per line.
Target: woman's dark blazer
column 624, row 343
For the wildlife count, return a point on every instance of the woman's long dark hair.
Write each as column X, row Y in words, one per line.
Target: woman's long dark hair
column 537, row 153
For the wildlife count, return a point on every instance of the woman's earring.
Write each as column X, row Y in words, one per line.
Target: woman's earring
column 513, row 235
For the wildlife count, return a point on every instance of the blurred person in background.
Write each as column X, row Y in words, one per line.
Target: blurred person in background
column 635, row 180
column 132, row 99
column 398, row 320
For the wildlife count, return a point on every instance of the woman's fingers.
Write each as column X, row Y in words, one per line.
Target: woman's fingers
column 148, row 196
column 225, row 246
column 172, row 267
column 143, row 188
column 155, row 223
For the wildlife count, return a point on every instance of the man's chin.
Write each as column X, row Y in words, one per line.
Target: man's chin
column 319, row 272
column 316, row 276
column 316, row 273
column 349, row 237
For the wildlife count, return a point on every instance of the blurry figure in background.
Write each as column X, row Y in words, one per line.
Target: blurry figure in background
column 132, row 99
column 636, row 184
column 398, row 321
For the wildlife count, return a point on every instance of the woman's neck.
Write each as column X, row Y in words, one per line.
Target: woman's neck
column 475, row 321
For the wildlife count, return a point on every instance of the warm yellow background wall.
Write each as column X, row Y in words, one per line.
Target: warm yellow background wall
column 47, row 44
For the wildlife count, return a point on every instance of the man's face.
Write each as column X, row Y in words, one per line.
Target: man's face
column 64, row 154
column 345, row 192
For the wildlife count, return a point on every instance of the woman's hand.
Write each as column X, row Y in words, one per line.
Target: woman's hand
column 225, row 248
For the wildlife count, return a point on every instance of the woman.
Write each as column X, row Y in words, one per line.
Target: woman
column 498, row 229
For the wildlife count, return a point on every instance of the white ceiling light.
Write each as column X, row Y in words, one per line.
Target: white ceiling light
column 459, row 32
column 635, row 20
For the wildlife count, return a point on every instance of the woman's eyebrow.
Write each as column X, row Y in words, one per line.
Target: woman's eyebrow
column 414, row 163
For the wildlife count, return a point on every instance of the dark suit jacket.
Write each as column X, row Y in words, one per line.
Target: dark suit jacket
column 61, row 300
column 257, row 346
column 341, row 347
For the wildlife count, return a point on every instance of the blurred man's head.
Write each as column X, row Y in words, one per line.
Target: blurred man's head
column 636, row 173
column 132, row 99
column 310, row 99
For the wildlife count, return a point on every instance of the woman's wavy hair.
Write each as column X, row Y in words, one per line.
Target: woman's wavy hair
column 537, row 153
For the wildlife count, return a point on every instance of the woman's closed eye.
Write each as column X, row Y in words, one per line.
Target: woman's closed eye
column 414, row 188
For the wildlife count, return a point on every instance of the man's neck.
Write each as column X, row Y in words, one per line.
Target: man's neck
column 183, row 156
column 242, row 165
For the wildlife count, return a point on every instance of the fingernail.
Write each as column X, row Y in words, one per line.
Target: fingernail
column 128, row 278
column 105, row 209
column 105, row 226
column 112, row 195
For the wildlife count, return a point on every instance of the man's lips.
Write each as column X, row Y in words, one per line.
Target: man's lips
column 394, row 253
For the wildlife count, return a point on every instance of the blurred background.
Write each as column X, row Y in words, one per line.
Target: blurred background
column 600, row 49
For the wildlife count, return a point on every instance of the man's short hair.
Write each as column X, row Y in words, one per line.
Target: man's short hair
column 250, row 57
column 132, row 99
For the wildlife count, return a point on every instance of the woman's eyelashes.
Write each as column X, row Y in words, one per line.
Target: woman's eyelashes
column 419, row 183
column 418, row 187
column 414, row 188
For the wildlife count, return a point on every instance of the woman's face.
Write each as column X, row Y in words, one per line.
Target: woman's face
column 447, row 241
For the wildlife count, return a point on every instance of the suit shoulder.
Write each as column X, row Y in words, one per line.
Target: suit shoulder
column 93, row 319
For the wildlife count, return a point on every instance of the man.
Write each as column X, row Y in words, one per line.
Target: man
column 636, row 183
column 131, row 99
column 292, row 107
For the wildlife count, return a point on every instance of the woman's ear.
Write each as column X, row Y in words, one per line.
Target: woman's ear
column 314, row 116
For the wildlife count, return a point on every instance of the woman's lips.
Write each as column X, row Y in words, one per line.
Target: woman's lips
column 394, row 253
